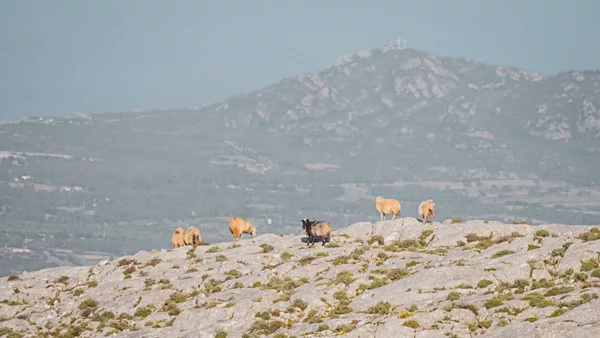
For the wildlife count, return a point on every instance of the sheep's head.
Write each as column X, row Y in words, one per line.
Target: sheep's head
column 179, row 231
column 305, row 225
column 252, row 230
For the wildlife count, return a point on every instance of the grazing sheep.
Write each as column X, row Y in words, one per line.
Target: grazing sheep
column 317, row 231
column 426, row 210
column 192, row 236
column 387, row 206
column 239, row 226
column 178, row 238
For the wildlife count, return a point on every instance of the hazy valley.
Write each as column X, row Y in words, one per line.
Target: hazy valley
column 483, row 141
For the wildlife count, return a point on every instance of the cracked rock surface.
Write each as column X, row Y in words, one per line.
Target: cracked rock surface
column 385, row 279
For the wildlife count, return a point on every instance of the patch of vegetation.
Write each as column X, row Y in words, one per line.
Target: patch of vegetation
column 213, row 249
column 522, row 222
column 298, row 303
column 540, row 234
column 511, row 311
column 532, row 247
column 520, row 283
column 262, row 327
column 221, row 334
column 153, row 262
column 144, row 311
column 538, row 300
column 306, row 260
column 285, row 284
column 397, row 274
column 375, row 283
column 558, row 291
column 340, row 260
column 531, row 319
column 502, row 253
column 312, row 317
column 344, row 277
column 411, row 264
column 266, row 248
column 583, row 299
column 441, row 251
column 452, row 296
column 467, row 306
column 78, row 292
column 589, row 265
column 12, row 302
column 542, row 284
column 126, row 261
column 381, row 308
column 376, row 239
column 13, row 278
column 286, row 256
column 344, row 329
column 558, row 312
column 343, row 305
column 62, row 280
column 322, row 254
column 560, row 252
column 413, row 324
column 322, row 328
column 131, row 269
column 357, row 253
column 88, row 303
column 263, row 315
column 333, row 244
column 457, row 220
column 221, row 258
column 213, row 285
column 591, row 235
column 580, row 276
column 87, row 307
column 494, row 302
column 484, row 283
column 463, row 286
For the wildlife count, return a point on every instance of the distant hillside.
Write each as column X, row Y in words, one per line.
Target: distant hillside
column 481, row 140
column 386, row 280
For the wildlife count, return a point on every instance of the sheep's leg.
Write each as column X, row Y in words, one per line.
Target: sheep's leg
column 382, row 216
column 393, row 217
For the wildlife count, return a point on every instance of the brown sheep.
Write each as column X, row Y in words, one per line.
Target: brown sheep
column 192, row 236
column 387, row 206
column 317, row 231
column 239, row 226
column 425, row 210
column 178, row 238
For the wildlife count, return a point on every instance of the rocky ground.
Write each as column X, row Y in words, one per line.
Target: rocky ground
column 387, row 279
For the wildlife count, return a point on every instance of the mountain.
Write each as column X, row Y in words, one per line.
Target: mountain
column 485, row 141
column 385, row 279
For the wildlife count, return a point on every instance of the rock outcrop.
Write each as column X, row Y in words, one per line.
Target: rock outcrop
column 386, row 279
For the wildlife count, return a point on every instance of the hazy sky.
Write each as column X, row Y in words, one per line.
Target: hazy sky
column 58, row 57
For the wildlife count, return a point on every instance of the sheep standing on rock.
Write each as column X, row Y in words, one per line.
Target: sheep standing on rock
column 387, row 206
column 178, row 238
column 317, row 231
column 425, row 210
column 239, row 226
column 192, row 236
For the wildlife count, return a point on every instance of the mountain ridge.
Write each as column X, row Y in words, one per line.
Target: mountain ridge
column 483, row 141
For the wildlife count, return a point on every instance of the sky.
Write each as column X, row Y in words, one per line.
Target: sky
column 59, row 57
